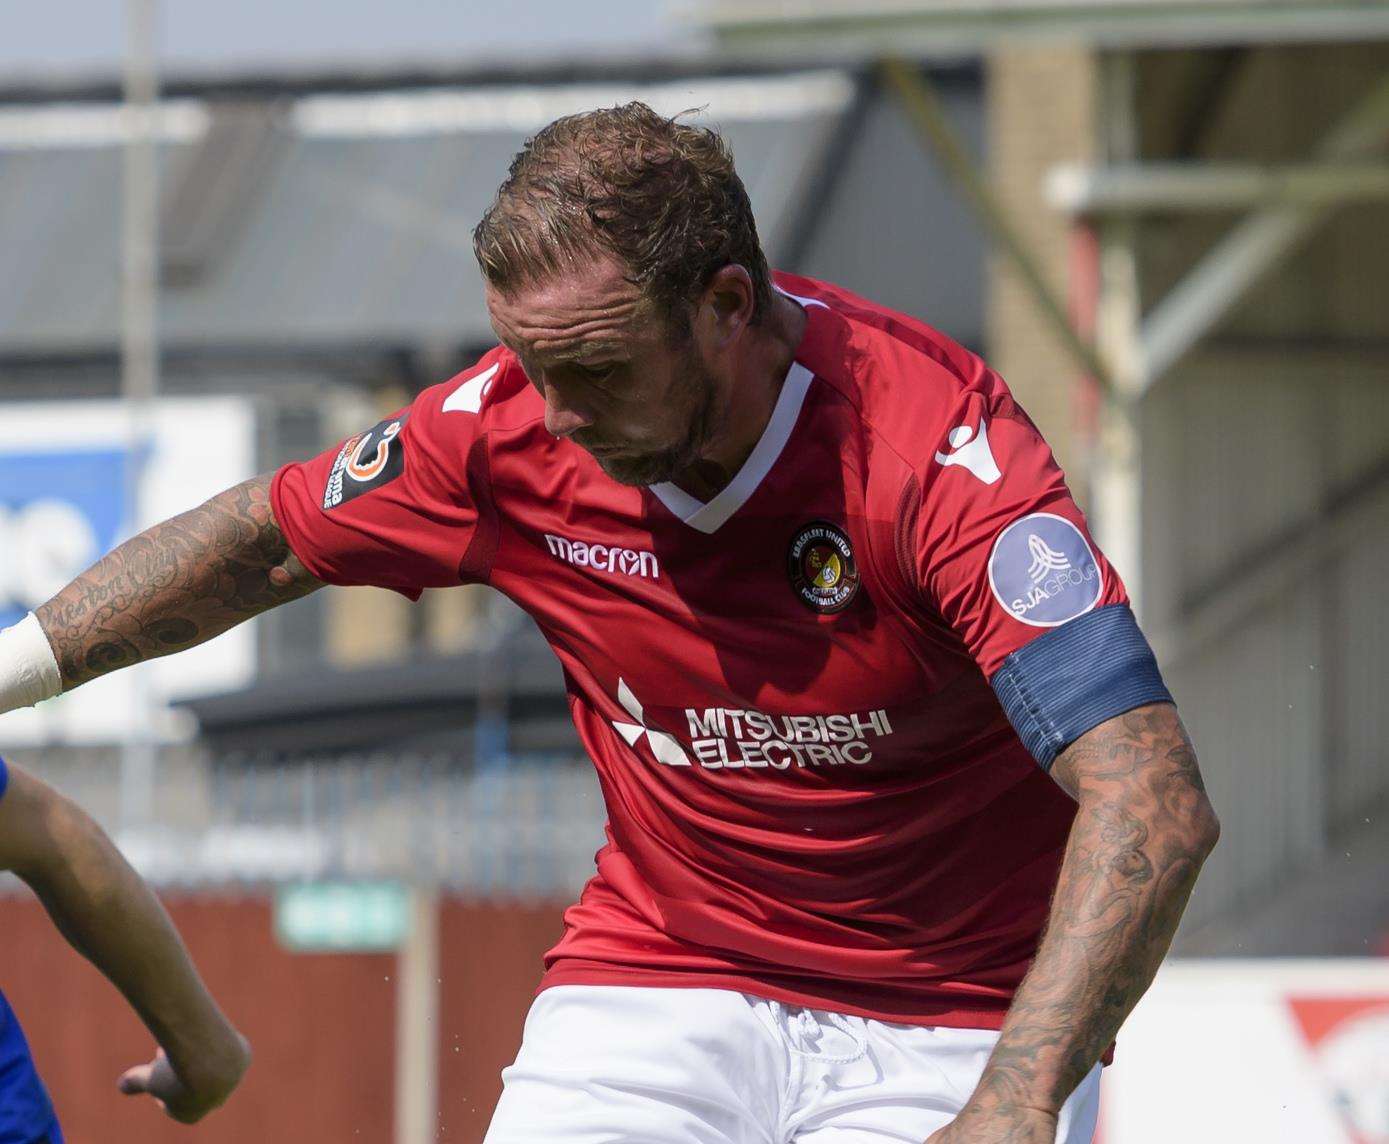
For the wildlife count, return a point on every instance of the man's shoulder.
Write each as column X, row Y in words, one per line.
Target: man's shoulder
column 907, row 382
column 453, row 432
column 491, row 395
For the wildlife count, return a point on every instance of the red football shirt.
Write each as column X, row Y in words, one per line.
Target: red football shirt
column 812, row 792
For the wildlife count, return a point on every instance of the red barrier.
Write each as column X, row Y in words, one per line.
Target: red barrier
column 490, row 963
column 322, row 1026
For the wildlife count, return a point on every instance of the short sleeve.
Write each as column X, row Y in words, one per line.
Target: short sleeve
column 1000, row 549
column 404, row 504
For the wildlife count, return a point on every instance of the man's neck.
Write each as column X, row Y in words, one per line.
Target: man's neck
column 750, row 401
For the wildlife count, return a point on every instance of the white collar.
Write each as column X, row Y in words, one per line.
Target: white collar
column 707, row 518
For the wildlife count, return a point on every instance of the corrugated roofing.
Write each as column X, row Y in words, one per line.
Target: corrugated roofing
column 358, row 225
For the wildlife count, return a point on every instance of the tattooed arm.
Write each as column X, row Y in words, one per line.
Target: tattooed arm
column 1142, row 830
column 175, row 585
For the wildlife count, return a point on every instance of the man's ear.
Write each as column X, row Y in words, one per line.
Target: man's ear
column 730, row 300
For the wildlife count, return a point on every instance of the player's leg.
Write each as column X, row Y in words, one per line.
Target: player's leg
column 26, row 1113
column 601, row 1064
column 912, row 1081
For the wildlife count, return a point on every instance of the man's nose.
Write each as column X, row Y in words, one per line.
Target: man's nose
column 563, row 418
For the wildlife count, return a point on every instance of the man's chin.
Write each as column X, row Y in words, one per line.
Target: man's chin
column 637, row 471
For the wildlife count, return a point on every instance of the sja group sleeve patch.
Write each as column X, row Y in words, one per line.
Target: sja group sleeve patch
column 1044, row 571
column 365, row 462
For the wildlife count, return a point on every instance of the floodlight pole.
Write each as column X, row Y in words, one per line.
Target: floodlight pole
column 417, row 1023
column 139, row 350
column 139, row 208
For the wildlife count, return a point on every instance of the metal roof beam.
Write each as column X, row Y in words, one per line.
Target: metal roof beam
column 849, row 28
column 927, row 118
column 1139, row 188
column 1234, row 265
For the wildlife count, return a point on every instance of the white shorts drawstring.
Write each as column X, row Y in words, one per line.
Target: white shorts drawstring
column 809, row 1026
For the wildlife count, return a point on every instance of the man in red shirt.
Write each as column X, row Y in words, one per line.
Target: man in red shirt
column 901, row 816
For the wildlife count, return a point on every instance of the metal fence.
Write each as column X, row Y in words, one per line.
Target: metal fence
column 526, row 829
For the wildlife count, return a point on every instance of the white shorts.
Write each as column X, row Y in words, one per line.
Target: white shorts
column 610, row 1064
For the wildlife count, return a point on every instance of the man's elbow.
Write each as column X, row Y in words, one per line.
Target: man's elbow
column 1205, row 828
column 1191, row 822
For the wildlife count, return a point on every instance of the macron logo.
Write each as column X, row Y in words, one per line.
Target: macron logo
column 665, row 747
column 971, row 450
column 604, row 557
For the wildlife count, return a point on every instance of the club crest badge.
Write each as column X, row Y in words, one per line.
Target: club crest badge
column 822, row 568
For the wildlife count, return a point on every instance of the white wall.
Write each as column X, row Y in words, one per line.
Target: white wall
column 1266, row 537
column 1279, row 1052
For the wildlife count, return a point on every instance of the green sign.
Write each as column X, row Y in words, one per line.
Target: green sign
column 342, row 917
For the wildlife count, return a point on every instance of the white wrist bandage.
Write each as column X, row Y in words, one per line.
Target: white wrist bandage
column 28, row 669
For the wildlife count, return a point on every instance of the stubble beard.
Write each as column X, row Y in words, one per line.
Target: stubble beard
column 657, row 468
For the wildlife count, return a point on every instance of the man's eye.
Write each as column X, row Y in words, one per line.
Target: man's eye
column 596, row 372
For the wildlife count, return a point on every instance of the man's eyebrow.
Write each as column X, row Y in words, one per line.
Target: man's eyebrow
column 587, row 351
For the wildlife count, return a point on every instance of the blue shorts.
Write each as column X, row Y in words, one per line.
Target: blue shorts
column 26, row 1113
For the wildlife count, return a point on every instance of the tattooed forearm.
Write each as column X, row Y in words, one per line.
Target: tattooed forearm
column 175, row 585
column 1143, row 828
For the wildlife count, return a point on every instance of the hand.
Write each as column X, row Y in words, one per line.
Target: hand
column 998, row 1124
column 188, row 1095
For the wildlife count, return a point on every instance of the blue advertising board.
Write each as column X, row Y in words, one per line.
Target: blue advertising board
column 68, row 471
column 59, row 511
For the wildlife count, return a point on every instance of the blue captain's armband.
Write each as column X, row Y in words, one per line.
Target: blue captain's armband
column 4, row 778
column 1075, row 677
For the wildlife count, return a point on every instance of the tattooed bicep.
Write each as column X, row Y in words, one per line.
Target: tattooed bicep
column 246, row 510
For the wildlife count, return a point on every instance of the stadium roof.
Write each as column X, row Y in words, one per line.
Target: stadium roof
column 845, row 29
column 298, row 217
column 423, row 704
